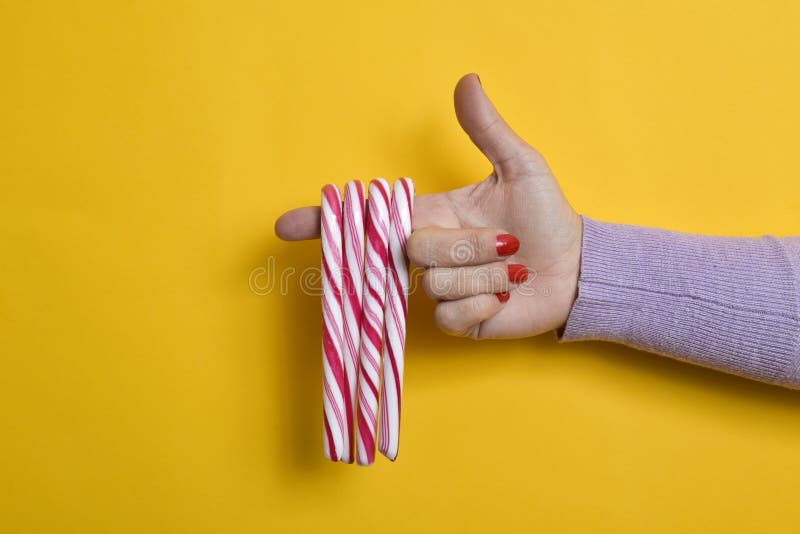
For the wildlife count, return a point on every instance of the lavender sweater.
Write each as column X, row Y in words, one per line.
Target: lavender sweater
column 731, row 304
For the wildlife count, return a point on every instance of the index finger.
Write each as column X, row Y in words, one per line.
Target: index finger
column 298, row 224
column 303, row 223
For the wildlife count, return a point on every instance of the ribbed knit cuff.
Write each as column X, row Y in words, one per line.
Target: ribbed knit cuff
column 726, row 303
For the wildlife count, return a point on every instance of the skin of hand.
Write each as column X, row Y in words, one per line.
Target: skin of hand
column 483, row 292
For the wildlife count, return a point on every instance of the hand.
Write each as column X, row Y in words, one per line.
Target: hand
column 455, row 235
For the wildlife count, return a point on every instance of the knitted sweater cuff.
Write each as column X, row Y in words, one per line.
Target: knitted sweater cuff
column 726, row 303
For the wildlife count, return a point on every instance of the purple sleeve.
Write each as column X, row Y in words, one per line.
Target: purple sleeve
column 721, row 302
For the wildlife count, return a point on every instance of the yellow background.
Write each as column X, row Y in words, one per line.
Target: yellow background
column 146, row 149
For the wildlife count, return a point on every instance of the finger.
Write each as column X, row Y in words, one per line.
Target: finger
column 450, row 247
column 488, row 130
column 303, row 223
column 298, row 224
column 447, row 283
column 463, row 317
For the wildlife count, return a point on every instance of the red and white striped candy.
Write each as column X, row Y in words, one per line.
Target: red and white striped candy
column 396, row 312
column 332, row 322
column 376, row 263
column 353, row 216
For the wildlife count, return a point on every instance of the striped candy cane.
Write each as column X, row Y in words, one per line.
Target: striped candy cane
column 353, row 216
column 377, row 258
column 396, row 311
column 332, row 321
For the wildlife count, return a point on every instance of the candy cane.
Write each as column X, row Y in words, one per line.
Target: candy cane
column 332, row 322
column 353, row 216
column 376, row 263
column 396, row 311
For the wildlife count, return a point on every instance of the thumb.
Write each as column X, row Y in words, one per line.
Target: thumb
column 487, row 129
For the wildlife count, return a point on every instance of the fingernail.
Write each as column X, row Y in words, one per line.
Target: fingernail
column 507, row 245
column 517, row 273
column 479, row 79
column 503, row 297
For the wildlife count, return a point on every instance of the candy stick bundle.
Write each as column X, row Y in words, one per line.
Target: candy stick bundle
column 364, row 311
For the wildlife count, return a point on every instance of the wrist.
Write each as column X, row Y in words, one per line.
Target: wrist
column 568, row 293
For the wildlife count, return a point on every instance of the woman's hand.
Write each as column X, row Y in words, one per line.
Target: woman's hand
column 460, row 236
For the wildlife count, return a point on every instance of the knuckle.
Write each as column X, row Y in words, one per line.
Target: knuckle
column 426, row 283
column 443, row 318
column 436, row 283
column 464, row 318
column 416, row 247
column 449, row 320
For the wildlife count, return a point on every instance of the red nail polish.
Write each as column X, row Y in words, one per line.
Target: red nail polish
column 507, row 245
column 517, row 273
column 503, row 297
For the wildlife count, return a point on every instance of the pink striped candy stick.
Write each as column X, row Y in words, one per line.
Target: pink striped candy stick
column 376, row 263
column 396, row 311
column 353, row 216
column 332, row 321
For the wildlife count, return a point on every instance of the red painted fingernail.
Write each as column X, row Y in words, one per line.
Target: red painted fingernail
column 507, row 245
column 503, row 297
column 517, row 273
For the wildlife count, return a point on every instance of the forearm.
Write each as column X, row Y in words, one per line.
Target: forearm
column 727, row 303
